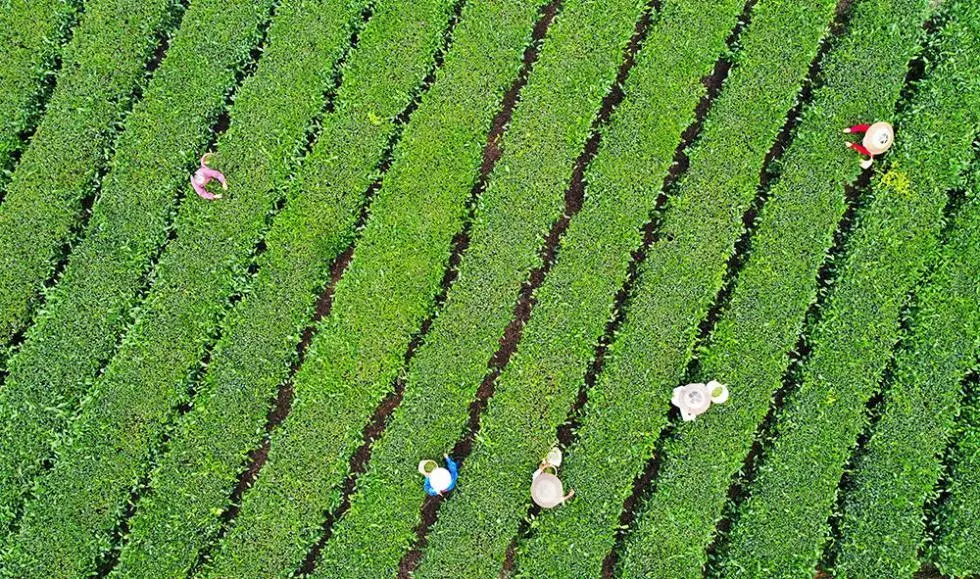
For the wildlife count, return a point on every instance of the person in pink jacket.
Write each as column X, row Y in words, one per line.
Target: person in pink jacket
column 205, row 175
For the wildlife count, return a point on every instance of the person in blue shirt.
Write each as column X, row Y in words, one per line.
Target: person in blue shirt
column 438, row 480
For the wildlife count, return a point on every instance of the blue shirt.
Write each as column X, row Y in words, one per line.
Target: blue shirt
column 453, row 475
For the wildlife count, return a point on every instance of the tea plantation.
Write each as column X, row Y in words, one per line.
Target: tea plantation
column 484, row 229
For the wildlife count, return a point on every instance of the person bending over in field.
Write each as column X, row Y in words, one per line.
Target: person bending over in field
column 693, row 400
column 205, row 175
column 438, row 480
column 878, row 138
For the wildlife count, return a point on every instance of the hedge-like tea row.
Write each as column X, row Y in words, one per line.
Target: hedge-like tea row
column 31, row 33
column 381, row 300
column 102, row 67
column 748, row 348
column 627, row 407
column 957, row 544
column 550, row 125
column 536, row 390
column 781, row 528
column 195, row 478
column 883, row 524
column 77, row 329
column 108, row 447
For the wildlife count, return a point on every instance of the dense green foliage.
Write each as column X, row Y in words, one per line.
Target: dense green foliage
column 957, row 548
column 956, row 526
column 193, row 481
column 384, row 295
column 536, row 390
column 677, row 283
column 896, row 473
column 749, row 346
column 101, row 70
column 76, row 331
column 578, row 62
column 109, row 445
column 31, row 33
column 479, row 227
column 780, row 529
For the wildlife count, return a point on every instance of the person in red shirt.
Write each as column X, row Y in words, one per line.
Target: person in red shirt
column 878, row 138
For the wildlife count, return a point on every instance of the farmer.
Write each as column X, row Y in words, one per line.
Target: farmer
column 694, row 399
column 547, row 490
column 438, row 480
column 205, row 175
column 878, row 138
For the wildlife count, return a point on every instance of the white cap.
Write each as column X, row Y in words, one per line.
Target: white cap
column 554, row 457
column 547, row 491
column 879, row 138
column 722, row 392
column 440, row 479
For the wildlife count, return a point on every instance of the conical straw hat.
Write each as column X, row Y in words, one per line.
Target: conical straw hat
column 547, row 490
column 879, row 138
column 694, row 398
